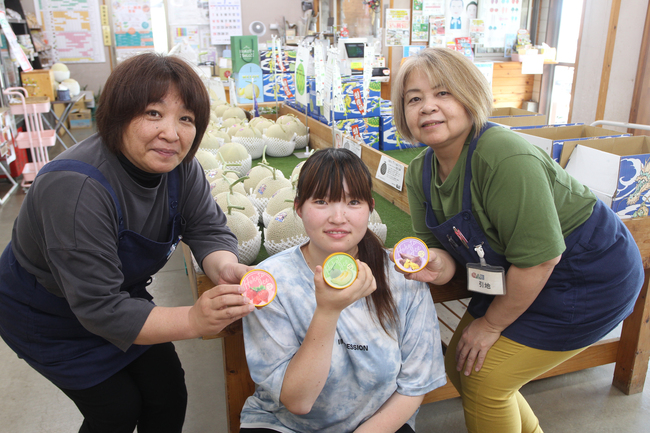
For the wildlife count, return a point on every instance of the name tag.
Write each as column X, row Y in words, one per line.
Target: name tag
column 483, row 278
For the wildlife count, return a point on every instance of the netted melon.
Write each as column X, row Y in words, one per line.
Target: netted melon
column 249, row 238
column 217, row 173
column 225, row 184
column 235, row 153
column 230, row 122
column 259, row 172
column 231, row 112
column 251, row 139
column 285, row 230
column 262, row 124
column 278, row 141
column 238, row 199
column 207, row 160
column 220, row 109
column 282, row 199
column 211, row 142
column 301, row 131
column 375, row 224
column 266, row 188
column 286, row 118
column 296, row 170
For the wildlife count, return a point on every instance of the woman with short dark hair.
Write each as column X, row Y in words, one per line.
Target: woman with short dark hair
column 97, row 223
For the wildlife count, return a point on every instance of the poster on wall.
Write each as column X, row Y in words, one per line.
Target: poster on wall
column 499, row 20
column 132, row 27
column 73, row 28
column 420, row 29
column 188, row 12
column 398, row 26
column 225, row 20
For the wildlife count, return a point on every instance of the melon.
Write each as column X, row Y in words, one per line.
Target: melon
column 296, row 170
column 249, row 238
column 207, row 160
column 284, row 231
column 286, row 118
column 220, row 109
column 251, row 139
column 217, row 173
column 210, row 141
column 228, row 123
column 259, row 172
column 225, row 184
column 235, row 153
column 231, row 112
column 73, row 85
column 263, row 124
column 278, row 131
column 61, row 72
column 279, row 142
column 266, row 188
column 244, row 205
column 281, row 200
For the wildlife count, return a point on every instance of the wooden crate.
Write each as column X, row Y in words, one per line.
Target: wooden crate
column 39, row 82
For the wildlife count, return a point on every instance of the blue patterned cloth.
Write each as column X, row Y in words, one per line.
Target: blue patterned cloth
column 367, row 366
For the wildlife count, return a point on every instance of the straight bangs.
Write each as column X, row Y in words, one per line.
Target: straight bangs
column 324, row 173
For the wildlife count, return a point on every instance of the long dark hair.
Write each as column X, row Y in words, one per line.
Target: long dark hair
column 145, row 79
column 322, row 176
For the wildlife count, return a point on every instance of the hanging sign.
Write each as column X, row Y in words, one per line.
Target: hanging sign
column 18, row 52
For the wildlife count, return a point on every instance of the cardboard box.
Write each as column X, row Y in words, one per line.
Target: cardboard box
column 244, row 51
column 278, row 87
column 389, row 138
column 39, row 82
column 80, row 120
column 268, row 64
column 616, row 169
column 512, row 111
column 367, row 129
column 352, row 90
column 552, row 138
column 512, row 122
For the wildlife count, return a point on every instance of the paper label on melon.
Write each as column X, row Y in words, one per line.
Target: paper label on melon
column 340, row 270
column 259, row 286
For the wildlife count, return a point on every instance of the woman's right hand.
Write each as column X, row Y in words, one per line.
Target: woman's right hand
column 336, row 300
column 435, row 266
column 218, row 308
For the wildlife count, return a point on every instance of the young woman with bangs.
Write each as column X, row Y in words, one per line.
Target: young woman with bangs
column 327, row 360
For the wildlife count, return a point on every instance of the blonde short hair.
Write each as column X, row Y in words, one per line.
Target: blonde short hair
column 451, row 70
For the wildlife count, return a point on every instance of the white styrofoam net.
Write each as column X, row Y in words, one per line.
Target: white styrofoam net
column 243, row 168
column 260, row 204
column 276, row 147
column 249, row 250
column 276, row 247
column 254, row 145
column 302, row 141
column 381, row 230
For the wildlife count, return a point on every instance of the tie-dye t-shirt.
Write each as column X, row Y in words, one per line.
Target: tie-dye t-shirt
column 367, row 366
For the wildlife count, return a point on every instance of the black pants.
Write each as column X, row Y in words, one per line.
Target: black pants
column 149, row 393
column 404, row 429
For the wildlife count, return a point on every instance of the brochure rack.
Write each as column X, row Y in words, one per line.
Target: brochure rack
column 36, row 139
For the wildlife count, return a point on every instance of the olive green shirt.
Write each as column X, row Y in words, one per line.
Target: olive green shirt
column 524, row 202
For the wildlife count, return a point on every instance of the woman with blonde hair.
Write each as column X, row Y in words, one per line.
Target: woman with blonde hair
column 552, row 268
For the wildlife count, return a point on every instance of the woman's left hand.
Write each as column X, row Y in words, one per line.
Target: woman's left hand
column 475, row 342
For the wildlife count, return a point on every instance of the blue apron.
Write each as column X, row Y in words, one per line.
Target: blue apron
column 590, row 291
column 40, row 326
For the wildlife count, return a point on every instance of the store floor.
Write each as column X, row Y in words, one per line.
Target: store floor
column 578, row 402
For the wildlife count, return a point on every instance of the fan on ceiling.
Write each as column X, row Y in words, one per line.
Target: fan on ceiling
column 257, row 28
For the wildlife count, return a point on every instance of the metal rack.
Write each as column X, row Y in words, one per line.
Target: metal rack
column 36, row 139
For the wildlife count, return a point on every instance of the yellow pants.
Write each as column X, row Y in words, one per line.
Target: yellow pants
column 491, row 398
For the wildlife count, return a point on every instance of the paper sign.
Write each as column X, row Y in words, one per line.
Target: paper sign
column 390, row 172
column 350, row 144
